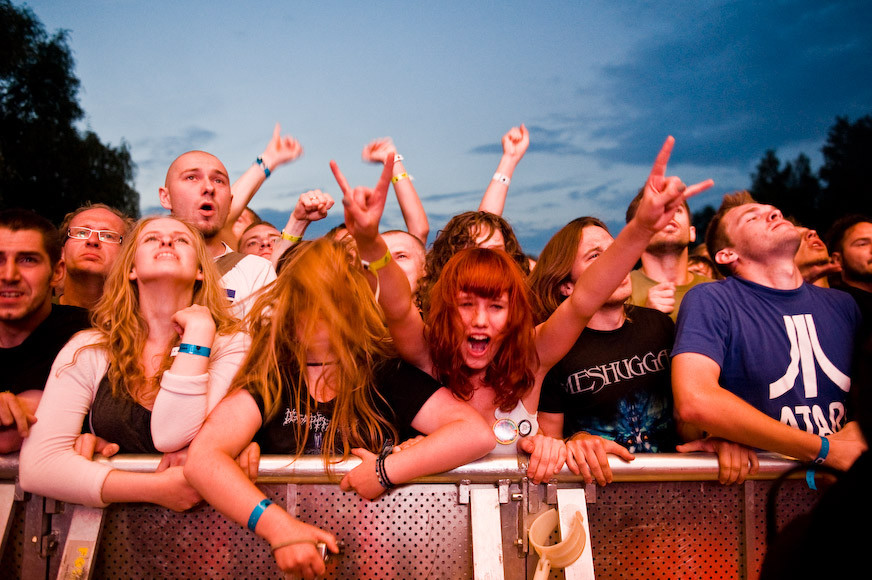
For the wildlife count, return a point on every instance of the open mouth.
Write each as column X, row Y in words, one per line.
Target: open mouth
column 207, row 208
column 11, row 294
column 478, row 344
column 165, row 256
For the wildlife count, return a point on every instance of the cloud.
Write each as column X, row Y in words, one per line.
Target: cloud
column 733, row 81
column 561, row 140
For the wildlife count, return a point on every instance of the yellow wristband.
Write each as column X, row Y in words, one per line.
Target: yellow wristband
column 378, row 264
column 396, row 178
column 290, row 237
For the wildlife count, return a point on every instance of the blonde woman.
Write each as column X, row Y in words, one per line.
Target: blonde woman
column 161, row 354
column 322, row 377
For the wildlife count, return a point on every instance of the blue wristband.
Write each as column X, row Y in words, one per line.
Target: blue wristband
column 194, row 349
column 825, row 449
column 263, row 166
column 257, row 512
column 822, row 456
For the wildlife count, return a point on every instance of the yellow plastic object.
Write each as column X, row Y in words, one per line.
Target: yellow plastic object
column 561, row 554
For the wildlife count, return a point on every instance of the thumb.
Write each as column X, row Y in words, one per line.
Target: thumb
column 691, row 446
column 526, row 444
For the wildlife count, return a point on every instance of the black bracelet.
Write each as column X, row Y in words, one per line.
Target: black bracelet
column 380, row 470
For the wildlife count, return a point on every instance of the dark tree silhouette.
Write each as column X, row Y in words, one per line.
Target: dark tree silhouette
column 46, row 163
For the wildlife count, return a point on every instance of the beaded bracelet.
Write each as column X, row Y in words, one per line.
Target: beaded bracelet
column 399, row 177
column 380, row 470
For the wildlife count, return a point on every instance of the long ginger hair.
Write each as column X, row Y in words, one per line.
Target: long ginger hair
column 122, row 328
column 489, row 274
column 320, row 285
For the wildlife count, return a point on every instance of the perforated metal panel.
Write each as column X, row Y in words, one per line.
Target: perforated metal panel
column 419, row 531
column 414, row 532
column 653, row 530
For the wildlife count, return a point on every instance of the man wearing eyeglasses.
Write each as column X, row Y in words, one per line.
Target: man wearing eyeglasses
column 32, row 329
column 92, row 237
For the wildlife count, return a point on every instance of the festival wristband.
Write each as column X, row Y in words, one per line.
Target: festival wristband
column 263, row 166
column 398, row 158
column 825, row 450
column 257, row 512
column 504, row 179
column 378, row 264
column 193, row 349
column 397, row 178
column 291, row 237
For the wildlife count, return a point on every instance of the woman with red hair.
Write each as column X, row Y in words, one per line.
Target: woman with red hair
column 478, row 336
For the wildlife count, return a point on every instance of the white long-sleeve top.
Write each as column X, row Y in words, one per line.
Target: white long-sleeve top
column 49, row 466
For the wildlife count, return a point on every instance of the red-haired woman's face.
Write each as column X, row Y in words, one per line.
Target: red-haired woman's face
column 483, row 320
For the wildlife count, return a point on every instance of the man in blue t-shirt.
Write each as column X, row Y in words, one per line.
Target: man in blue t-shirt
column 763, row 358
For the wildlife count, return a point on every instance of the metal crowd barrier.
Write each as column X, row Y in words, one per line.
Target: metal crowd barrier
column 664, row 516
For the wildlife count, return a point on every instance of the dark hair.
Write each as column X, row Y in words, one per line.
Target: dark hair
column 835, row 237
column 459, row 233
column 24, row 219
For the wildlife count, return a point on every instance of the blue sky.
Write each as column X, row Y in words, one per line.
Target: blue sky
column 599, row 84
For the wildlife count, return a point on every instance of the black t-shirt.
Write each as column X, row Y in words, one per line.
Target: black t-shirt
column 403, row 390
column 616, row 384
column 864, row 303
column 27, row 366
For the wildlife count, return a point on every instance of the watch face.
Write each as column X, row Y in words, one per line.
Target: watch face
column 506, row 431
column 524, row 428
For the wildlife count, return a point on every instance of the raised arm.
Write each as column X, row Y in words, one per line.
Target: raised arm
column 363, row 211
column 379, row 151
column 515, row 143
column 279, row 150
column 312, row 206
column 662, row 197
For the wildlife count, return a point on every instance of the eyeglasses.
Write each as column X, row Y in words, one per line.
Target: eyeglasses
column 106, row 236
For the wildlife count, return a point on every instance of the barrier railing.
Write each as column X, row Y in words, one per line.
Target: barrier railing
column 664, row 516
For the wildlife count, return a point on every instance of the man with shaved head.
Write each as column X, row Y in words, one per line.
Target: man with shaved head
column 197, row 190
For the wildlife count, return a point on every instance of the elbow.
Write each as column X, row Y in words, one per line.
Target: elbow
column 482, row 441
column 165, row 444
column 692, row 409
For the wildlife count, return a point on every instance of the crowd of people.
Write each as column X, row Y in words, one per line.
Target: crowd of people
column 211, row 336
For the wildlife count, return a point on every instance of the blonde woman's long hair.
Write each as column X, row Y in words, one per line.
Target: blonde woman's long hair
column 123, row 330
column 320, row 283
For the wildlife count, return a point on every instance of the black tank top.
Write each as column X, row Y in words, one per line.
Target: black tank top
column 120, row 420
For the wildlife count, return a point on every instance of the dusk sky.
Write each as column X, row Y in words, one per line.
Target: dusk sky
column 599, row 84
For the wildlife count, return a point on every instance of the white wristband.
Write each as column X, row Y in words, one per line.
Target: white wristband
column 504, row 179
